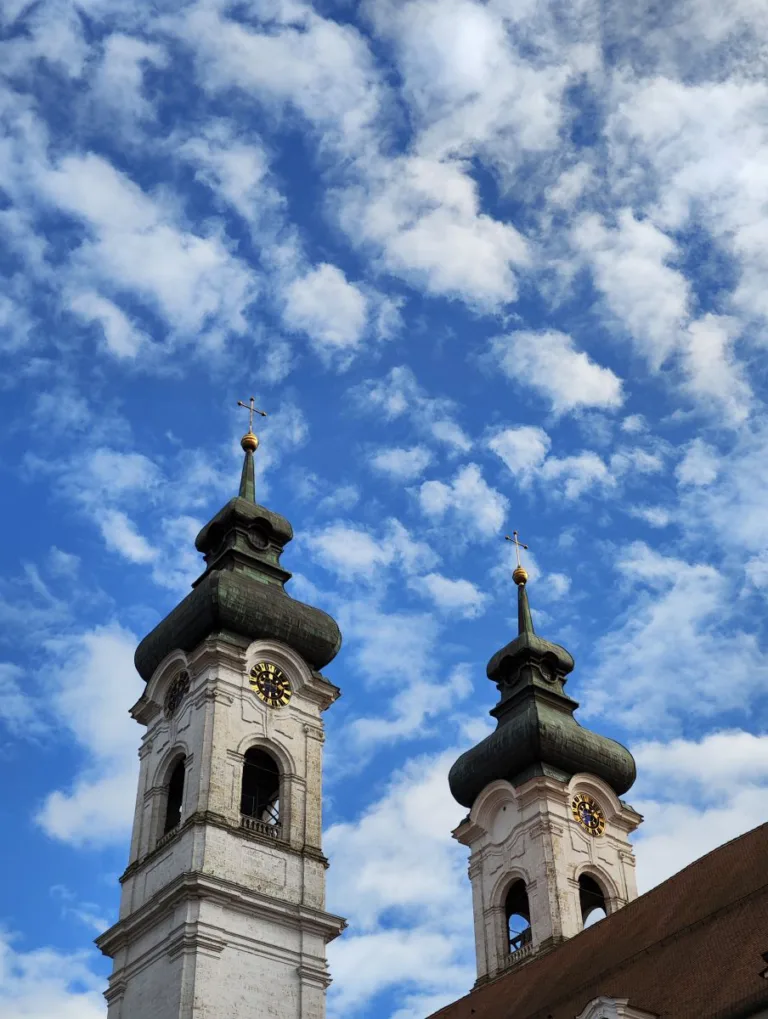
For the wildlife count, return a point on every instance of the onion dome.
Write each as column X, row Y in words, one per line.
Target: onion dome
column 536, row 733
column 242, row 591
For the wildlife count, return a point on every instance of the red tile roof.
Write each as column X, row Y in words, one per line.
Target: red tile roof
column 692, row 948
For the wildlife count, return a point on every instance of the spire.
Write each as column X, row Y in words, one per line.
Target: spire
column 250, row 444
column 241, row 592
column 536, row 732
column 524, row 621
column 520, row 577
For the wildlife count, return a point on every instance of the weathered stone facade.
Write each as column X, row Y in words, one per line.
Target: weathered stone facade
column 216, row 919
column 527, row 833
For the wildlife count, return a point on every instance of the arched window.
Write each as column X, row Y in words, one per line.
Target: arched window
column 518, row 917
column 175, row 796
column 591, row 900
column 260, row 795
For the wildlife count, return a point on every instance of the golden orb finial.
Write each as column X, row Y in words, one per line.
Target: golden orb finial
column 249, row 442
column 520, row 575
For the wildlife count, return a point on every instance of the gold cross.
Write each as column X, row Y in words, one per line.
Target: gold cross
column 518, row 545
column 252, row 409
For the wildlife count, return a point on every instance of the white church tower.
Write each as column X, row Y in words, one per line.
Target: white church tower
column 546, row 830
column 222, row 912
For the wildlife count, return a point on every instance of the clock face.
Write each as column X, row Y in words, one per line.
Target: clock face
column 588, row 813
column 271, row 684
column 176, row 693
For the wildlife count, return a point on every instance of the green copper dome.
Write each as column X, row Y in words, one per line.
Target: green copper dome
column 536, row 733
column 242, row 590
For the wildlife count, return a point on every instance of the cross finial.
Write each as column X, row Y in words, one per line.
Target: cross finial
column 250, row 444
column 520, row 575
column 252, row 409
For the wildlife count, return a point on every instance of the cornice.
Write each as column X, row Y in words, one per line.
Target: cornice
column 195, row 885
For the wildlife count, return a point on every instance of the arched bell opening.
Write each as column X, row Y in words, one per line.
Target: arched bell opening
column 518, row 917
column 260, row 791
column 174, row 797
column 591, row 901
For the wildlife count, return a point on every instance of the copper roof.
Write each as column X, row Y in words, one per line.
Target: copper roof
column 691, row 948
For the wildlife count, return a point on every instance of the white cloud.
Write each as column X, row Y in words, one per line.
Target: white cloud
column 123, row 338
column 53, row 32
column 452, row 434
column 61, row 563
column 401, row 880
column 92, row 673
column 400, row 463
column 714, row 375
column 468, row 499
column 558, row 584
column 691, row 792
column 118, row 84
column 635, row 461
column 680, row 623
column 355, row 554
column 19, row 711
column 522, row 448
column 631, row 268
column 576, row 474
column 134, row 244
column 472, row 83
column 238, row 172
column 88, row 913
column 412, row 708
column 693, row 134
column 330, row 310
column 109, row 472
column 700, row 464
column 284, row 431
column 634, row 424
column 320, row 67
column 414, row 699
column 550, row 363
column 422, row 217
column 456, row 598
column 655, row 516
column 366, row 965
column 120, row 535
column 45, row 983
column 399, row 393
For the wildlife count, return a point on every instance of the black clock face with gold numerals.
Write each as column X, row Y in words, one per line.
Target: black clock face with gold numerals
column 270, row 684
column 588, row 813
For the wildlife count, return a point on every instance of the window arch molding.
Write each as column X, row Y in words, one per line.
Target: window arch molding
column 164, row 675
column 287, row 771
column 607, row 885
column 285, row 762
column 167, row 763
column 491, row 801
column 503, row 885
column 160, row 790
column 498, row 899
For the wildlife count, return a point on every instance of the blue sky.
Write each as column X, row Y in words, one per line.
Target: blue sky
column 487, row 266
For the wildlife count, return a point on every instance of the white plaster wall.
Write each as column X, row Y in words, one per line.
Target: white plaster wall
column 260, row 951
column 529, row 834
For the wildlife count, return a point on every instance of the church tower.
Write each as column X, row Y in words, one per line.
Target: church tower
column 546, row 830
column 222, row 911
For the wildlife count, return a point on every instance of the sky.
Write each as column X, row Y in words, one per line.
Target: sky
column 487, row 266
